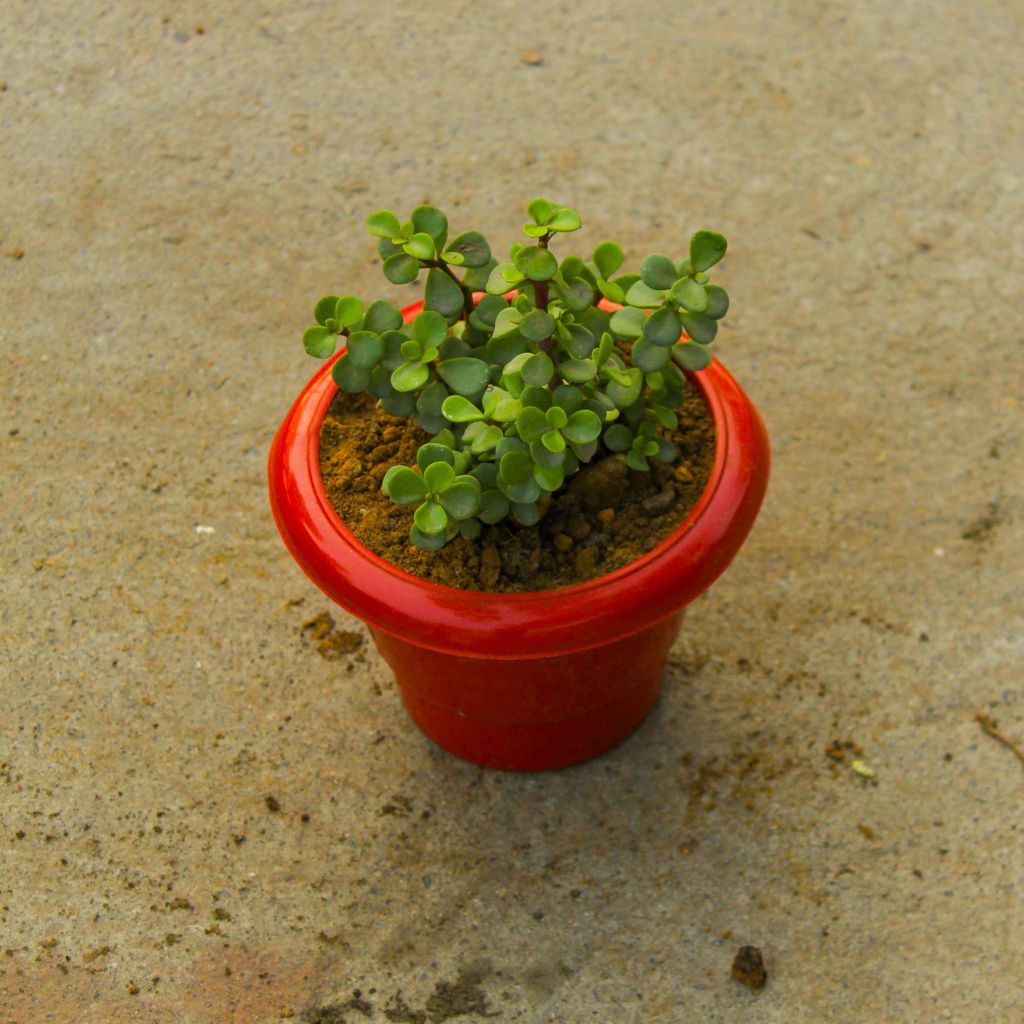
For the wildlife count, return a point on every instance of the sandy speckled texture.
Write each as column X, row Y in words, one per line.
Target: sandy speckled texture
column 180, row 181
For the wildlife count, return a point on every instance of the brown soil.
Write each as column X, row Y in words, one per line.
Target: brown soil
column 607, row 516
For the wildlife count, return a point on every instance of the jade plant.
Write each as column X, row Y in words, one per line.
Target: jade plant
column 513, row 368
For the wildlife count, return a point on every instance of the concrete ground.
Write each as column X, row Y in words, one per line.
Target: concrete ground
column 203, row 819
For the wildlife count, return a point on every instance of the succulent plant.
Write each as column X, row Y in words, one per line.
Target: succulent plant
column 514, row 368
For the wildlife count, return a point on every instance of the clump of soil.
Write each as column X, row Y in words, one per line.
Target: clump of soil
column 606, row 517
column 748, row 967
column 331, row 642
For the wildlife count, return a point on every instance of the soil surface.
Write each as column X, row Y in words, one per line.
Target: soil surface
column 606, row 517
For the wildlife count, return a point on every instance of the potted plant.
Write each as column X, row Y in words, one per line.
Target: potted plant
column 506, row 400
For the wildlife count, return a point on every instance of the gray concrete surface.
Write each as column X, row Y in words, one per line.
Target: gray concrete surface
column 179, row 182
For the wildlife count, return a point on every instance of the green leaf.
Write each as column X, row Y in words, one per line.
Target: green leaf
column 706, row 249
column 521, row 493
column 663, row 326
column 577, row 294
column 431, row 221
column 462, row 499
column 404, row 486
column 701, row 328
column 608, row 258
column 515, row 468
column 635, row 460
column 425, row 542
column 430, row 518
column 442, row 293
column 472, row 247
column 578, row 371
column 537, row 326
column 365, row 348
column 568, row 398
column 348, row 311
column 536, row 263
column 348, row 376
column 497, row 283
column 628, row 322
column 401, row 269
column 383, row 224
column 488, row 308
column 531, row 423
column 319, row 342
column 382, row 316
column 411, row 350
column 550, row 478
column 718, row 301
column 657, row 271
column 487, row 439
column 541, row 210
column 649, row 357
column 432, row 452
column 457, row 409
column 625, row 396
column 583, row 427
column 431, row 399
column 618, row 438
column 553, row 441
column 476, row 278
column 325, row 309
column 611, row 291
column 399, row 404
column 507, row 321
column 535, row 230
column 421, row 245
column 493, row 506
column 466, row 376
column 691, row 356
column 580, row 342
column 380, row 382
column 526, row 513
column 429, row 328
column 538, row 370
column 556, row 417
column 409, row 376
column 641, row 295
column 387, row 248
column 604, row 350
column 438, row 477
column 690, row 294
column 565, row 219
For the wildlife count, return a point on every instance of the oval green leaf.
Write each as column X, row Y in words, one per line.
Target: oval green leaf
column 442, row 293
column 706, row 249
column 583, row 427
column 701, row 328
column 657, row 271
column 409, row 376
column 430, row 518
column 383, row 224
column 365, row 348
column 403, row 485
column 462, row 499
column 401, row 269
column 466, row 376
column 608, row 258
column 536, row 263
column 663, row 326
column 319, row 342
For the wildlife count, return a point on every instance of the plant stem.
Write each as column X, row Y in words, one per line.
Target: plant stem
column 541, row 290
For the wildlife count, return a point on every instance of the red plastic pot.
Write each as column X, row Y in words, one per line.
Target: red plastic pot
column 531, row 681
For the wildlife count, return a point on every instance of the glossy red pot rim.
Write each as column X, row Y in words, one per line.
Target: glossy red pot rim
column 539, row 624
